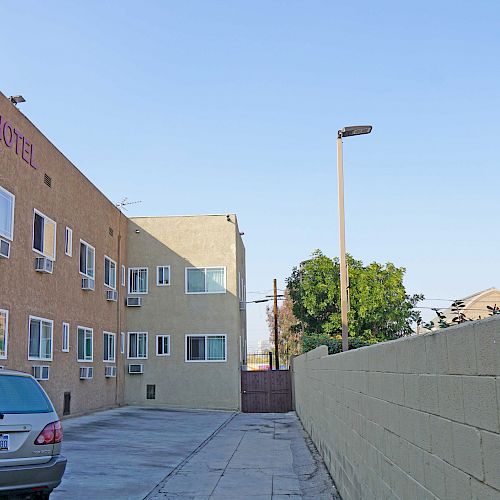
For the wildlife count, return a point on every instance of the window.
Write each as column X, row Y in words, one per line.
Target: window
column 109, row 347
column 150, row 391
column 85, row 344
column 122, row 343
column 163, row 345
column 4, row 332
column 87, row 259
column 40, row 338
column 162, row 275
column 44, row 235
column 137, row 345
column 109, row 272
column 68, row 242
column 206, row 280
column 124, row 273
column 7, row 202
column 138, row 280
column 65, row 337
column 206, row 347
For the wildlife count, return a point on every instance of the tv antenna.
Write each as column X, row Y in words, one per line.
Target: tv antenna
column 124, row 203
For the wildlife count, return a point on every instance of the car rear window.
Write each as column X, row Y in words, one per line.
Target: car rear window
column 22, row 395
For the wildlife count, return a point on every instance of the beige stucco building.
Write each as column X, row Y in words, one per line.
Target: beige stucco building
column 67, row 308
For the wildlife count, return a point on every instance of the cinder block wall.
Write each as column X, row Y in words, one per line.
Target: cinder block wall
column 416, row 418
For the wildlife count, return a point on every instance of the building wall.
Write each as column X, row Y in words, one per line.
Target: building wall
column 413, row 418
column 180, row 242
column 75, row 202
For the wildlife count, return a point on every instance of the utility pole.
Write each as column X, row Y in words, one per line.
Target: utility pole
column 276, row 348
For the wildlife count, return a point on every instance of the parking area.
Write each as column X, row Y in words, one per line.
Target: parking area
column 155, row 453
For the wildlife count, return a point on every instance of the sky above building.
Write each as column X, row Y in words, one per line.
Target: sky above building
column 197, row 107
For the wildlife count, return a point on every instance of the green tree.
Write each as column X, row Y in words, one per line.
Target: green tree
column 380, row 308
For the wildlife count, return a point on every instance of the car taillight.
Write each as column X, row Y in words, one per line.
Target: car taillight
column 51, row 434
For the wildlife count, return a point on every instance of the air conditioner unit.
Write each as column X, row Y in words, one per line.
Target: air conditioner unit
column 243, row 306
column 4, row 249
column 43, row 265
column 134, row 369
column 41, row 372
column 111, row 295
column 87, row 284
column 110, row 371
column 86, row 372
column 134, row 301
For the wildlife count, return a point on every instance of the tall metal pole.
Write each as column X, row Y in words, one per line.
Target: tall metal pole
column 343, row 262
column 276, row 347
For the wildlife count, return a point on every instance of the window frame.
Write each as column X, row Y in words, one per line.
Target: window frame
column 111, row 261
column 86, row 330
column 122, row 343
column 158, row 275
column 42, row 253
column 130, row 270
column 162, row 336
column 113, row 336
column 46, row 320
column 124, row 276
column 88, row 245
column 205, row 272
column 206, row 335
column 65, row 335
column 68, row 242
column 6, row 335
column 9, row 194
column 128, row 344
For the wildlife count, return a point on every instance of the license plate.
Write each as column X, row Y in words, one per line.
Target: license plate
column 4, row 442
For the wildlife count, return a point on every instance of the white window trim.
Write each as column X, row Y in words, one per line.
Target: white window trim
column 6, row 341
column 84, row 274
column 113, row 359
column 122, row 343
column 156, row 345
column 158, row 276
column 124, row 275
column 62, row 344
column 91, row 360
column 111, row 260
column 147, row 281
column 33, row 358
column 68, row 241
column 11, row 236
column 35, row 211
column 128, row 345
column 205, row 267
column 206, row 335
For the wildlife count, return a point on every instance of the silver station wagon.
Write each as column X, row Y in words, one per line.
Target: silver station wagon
column 30, row 438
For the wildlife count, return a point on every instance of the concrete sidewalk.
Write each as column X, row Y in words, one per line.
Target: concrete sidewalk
column 254, row 456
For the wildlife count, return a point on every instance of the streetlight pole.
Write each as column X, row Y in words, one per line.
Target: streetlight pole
column 344, row 280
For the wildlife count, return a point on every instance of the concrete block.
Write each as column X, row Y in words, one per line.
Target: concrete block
column 397, row 390
column 480, row 400
column 491, row 457
column 487, row 340
column 392, row 418
column 390, row 356
column 416, row 464
column 435, row 475
column 406, row 428
column 436, row 353
column 442, row 438
column 461, row 351
column 481, row 491
column 411, row 356
column 428, row 393
column 422, row 430
column 467, row 450
column 458, row 484
column 410, row 382
column 451, row 400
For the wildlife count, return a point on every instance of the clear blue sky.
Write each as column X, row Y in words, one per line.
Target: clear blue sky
column 233, row 106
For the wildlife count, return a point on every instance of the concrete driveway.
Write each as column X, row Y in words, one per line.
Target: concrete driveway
column 155, row 453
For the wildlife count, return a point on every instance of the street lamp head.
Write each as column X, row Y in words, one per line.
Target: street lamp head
column 355, row 130
column 16, row 99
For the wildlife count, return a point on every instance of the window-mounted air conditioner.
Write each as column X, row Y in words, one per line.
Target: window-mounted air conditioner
column 43, row 265
column 41, row 372
column 87, row 284
column 86, row 372
column 111, row 295
column 136, row 369
column 134, row 301
column 110, row 371
column 4, row 249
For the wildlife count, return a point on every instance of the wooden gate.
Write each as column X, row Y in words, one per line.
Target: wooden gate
column 266, row 391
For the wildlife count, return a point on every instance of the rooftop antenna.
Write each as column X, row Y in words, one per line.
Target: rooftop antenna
column 124, row 203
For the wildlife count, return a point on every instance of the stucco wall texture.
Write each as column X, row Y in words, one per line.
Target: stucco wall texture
column 415, row 418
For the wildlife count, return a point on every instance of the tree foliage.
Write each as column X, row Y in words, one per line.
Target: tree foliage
column 380, row 308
